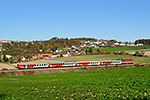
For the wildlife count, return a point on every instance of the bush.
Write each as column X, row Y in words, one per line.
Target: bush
column 145, row 55
column 3, row 61
column 4, row 69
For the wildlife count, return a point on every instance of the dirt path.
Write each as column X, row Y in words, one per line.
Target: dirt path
column 147, row 51
column 11, row 66
column 3, row 66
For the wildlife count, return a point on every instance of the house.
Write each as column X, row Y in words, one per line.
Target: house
column 73, row 46
column 66, row 55
column 116, row 43
column 122, row 44
column 42, row 56
column 139, row 44
column 67, row 47
column 35, row 57
column 103, row 44
column 23, row 58
column 55, row 55
column 131, row 44
column 59, row 51
column 7, row 56
column 113, row 45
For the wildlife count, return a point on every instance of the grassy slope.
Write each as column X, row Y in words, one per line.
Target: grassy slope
column 122, row 48
column 104, row 57
column 125, row 48
column 104, row 84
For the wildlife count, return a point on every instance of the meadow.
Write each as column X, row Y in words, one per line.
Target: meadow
column 123, row 48
column 136, row 59
column 131, row 83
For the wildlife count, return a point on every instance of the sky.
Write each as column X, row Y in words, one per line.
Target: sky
column 28, row 20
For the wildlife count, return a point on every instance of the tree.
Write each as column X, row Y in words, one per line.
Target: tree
column 18, row 58
column 86, row 51
column 5, row 58
column 98, row 50
column 10, row 60
column 90, row 51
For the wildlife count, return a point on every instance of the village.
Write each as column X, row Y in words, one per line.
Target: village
column 84, row 48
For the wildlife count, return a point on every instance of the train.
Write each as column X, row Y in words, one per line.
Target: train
column 73, row 64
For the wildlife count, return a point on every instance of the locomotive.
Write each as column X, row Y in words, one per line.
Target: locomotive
column 73, row 64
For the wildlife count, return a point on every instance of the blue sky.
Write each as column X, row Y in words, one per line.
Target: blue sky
column 27, row 20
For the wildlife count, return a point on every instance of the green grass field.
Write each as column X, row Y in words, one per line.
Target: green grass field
column 103, row 57
column 125, row 48
column 132, row 83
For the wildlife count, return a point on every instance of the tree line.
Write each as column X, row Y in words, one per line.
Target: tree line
column 145, row 42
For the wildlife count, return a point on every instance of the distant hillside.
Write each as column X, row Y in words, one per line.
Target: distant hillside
column 145, row 42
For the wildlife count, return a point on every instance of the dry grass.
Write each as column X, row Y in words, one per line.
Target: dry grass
column 137, row 60
column 3, row 66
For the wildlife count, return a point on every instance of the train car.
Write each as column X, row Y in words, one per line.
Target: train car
column 69, row 64
column 127, row 61
column 62, row 64
column 106, row 62
column 110, row 62
column 41, row 65
column 32, row 65
column 116, row 62
column 72, row 64
column 56, row 64
column 87, row 63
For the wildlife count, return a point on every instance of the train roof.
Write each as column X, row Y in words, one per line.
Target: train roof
column 87, row 61
column 31, row 63
column 110, row 60
column 60, row 62
column 45, row 63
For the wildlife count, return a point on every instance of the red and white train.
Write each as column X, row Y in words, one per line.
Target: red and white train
column 73, row 64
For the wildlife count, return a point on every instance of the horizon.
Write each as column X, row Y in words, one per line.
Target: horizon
column 68, row 38
column 31, row 20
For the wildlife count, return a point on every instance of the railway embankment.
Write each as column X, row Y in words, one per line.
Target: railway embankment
column 16, row 72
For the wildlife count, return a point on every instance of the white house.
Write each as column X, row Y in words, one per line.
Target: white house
column 122, row 44
column 139, row 44
column 116, row 43
column 7, row 56
column 131, row 44
column 23, row 59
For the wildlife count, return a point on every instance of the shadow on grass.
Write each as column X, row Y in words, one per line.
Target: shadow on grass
column 2, row 96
